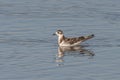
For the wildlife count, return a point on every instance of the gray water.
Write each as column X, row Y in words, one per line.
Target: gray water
column 28, row 50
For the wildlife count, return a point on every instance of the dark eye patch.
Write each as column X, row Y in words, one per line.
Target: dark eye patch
column 59, row 31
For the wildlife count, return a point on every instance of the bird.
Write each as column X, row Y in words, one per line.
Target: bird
column 73, row 41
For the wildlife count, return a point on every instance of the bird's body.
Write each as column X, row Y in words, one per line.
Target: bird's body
column 64, row 41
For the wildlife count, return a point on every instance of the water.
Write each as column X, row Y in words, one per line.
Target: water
column 28, row 51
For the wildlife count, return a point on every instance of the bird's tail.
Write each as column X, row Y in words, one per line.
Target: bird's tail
column 88, row 37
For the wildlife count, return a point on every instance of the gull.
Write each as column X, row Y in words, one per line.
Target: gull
column 74, row 41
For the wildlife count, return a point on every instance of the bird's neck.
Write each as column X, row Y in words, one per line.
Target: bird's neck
column 61, row 38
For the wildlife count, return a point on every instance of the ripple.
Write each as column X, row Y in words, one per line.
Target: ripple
column 23, row 41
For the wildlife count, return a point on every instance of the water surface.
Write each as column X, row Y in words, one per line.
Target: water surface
column 28, row 51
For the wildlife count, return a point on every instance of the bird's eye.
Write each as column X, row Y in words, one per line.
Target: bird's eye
column 58, row 32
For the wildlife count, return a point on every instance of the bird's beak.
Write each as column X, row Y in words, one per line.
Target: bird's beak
column 54, row 34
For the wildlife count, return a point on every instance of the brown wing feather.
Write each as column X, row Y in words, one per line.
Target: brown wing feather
column 74, row 40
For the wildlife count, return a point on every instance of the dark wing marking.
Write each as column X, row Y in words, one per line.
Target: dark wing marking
column 74, row 40
column 77, row 39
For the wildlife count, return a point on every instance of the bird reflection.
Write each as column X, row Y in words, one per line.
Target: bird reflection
column 73, row 51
